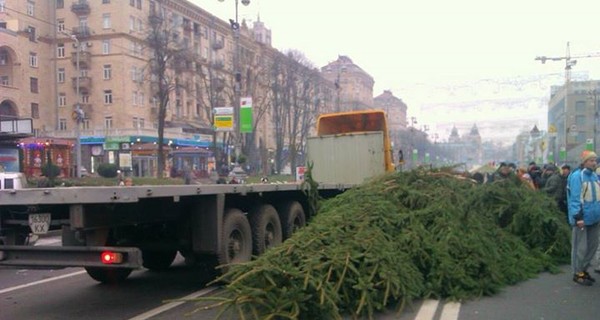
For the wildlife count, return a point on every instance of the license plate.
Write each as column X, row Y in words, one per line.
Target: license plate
column 39, row 223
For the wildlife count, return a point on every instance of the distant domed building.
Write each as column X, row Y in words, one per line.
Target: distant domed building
column 467, row 149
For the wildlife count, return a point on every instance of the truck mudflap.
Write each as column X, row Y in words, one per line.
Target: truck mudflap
column 61, row 257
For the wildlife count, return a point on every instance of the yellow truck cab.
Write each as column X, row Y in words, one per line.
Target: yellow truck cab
column 350, row 147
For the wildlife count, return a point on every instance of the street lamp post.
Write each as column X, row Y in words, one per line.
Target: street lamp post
column 235, row 26
column 78, row 114
column 594, row 96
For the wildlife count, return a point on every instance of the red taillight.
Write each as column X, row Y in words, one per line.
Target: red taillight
column 109, row 257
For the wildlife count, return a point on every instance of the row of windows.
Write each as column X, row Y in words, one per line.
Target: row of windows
column 137, row 74
column 107, row 95
column 61, row 3
column 134, row 3
column 137, row 123
column 61, row 52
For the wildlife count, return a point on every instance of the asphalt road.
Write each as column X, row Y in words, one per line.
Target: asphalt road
column 71, row 294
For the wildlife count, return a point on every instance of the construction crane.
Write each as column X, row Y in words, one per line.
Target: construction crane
column 570, row 62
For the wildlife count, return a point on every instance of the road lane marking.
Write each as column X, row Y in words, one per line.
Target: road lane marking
column 41, row 282
column 450, row 311
column 427, row 310
column 171, row 305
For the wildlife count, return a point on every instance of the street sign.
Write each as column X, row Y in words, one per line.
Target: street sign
column 246, row 114
column 223, row 119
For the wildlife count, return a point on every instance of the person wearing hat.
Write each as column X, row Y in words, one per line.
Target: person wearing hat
column 503, row 172
column 583, row 198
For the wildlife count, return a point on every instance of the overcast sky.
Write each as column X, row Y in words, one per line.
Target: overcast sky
column 406, row 43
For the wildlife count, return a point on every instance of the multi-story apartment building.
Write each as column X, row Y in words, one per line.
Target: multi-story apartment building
column 573, row 120
column 354, row 86
column 395, row 110
column 60, row 56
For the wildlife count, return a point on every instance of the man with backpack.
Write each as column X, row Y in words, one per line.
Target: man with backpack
column 583, row 199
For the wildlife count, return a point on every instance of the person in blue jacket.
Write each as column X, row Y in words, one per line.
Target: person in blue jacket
column 583, row 199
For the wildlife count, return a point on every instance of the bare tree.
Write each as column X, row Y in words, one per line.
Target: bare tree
column 278, row 106
column 303, row 107
column 255, row 83
column 169, row 59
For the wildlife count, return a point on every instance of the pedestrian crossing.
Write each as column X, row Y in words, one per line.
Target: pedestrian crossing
column 429, row 309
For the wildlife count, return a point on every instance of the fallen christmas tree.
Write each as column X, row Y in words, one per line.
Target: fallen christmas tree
column 400, row 237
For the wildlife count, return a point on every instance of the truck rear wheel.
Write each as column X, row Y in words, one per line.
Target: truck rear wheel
column 292, row 218
column 158, row 260
column 101, row 237
column 236, row 244
column 266, row 228
column 108, row 275
column 19, row 236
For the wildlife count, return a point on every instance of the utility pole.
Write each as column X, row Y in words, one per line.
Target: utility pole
column 594, row 95
column 235, row 27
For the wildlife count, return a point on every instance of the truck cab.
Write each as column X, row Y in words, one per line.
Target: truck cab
column 350, row 147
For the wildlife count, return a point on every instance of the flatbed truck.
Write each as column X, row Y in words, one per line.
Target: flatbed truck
column 111, row 231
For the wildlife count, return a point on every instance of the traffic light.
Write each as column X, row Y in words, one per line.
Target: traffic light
column 234, row 25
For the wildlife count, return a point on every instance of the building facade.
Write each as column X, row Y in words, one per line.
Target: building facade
column 354, row 86
column 58, row 57
column 573, row 120
column 395, row 110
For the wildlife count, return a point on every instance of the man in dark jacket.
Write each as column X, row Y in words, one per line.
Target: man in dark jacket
column 556, row 187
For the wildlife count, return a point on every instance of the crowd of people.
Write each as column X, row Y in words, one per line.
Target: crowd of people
column 577, row 194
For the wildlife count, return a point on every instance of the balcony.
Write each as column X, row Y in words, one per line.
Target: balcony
column 218, row 64
column 85, row 83
column 218, row 84
column 217, row 45
column 155, row 19
column 81, row 7
column 84, row 59
column 81, row 32
column 86, row 108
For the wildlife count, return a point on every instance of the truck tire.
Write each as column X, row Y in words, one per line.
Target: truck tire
column 108, row 275
column 236, row 242
column 158, row 260
column 15, row 237
column 292, row 218
column 102, row 274
column 266, row 228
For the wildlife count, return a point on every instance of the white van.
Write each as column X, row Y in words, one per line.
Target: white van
column 12, row 180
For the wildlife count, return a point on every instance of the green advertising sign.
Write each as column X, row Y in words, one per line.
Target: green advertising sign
column 589, row 144
column 113, row 143
column 246, row 114
column 415, row 155
column 562, row 154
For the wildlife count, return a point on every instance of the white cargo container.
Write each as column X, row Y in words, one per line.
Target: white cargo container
column 346, row 158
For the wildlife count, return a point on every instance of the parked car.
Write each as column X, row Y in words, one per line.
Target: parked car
column 12, row 180
column 84, row 172
column 237, row 175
